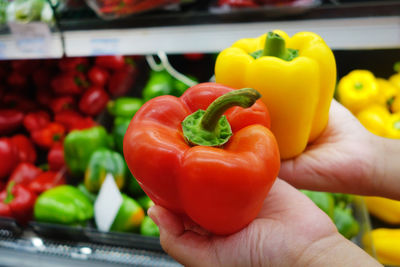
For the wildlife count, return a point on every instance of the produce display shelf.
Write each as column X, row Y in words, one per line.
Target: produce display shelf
column 364, row 25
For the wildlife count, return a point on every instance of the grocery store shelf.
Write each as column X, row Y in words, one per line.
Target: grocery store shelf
column 30, row 48
column 340, row 33
column 360, row 25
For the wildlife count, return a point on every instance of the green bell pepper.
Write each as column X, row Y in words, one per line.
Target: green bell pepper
column 101, row 162
column 124, row 106
column 132, row 186
column 91, row 197
column 79, row 146
column 129, row 217
column 120, row 126
column 345, row 222
column 323, row 200
column 145, row 202
column 159, row 83
column 149, row 228
column 64, row 204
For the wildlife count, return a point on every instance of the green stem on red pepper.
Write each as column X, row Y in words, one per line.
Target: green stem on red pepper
column 9, row 196
column 210, row 127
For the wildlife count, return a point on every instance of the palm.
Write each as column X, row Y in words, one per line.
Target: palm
column 280, row 229
column 335, row 161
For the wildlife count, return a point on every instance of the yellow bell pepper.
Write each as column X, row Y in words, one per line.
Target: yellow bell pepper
column 374, row 118
column 387, row 245
column 357, row 90
column 393, row 126
column 386, row 92
column 395, row 105
column 296, row 77
column 395, row 80
column 387, row 210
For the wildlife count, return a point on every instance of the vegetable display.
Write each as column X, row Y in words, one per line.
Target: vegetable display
column 374, row 101
column 188, row 175
column 296, row 77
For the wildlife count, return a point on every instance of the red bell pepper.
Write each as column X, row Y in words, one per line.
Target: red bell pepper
column 93, row 101
column 8, row 157
column 122, row 80
column 73, row 120
column 98, row 76
column 44, row 96
column 73, row 64
column 49, row 135
column 19, row 102
column 17, row 202
column 10, row 120
column 55, row 157
column 25, row 148
column 2, row 186
column 69, row 83
column 110, row 62
column 46, row 181
column 17, row 80
column 221, row 188
column 62, row 103
column 24, row 173
column 36, row 120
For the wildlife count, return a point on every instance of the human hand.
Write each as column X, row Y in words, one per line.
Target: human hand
column 289, row 230
column 346, row 158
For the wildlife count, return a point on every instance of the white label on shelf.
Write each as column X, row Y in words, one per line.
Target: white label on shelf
column 3, row 48
column 107, row 204
column 33, row 37
column 104, row 46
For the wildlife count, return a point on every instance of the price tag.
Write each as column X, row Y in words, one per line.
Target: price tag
column 33, row 37
column 107, row 204
column 104, row 46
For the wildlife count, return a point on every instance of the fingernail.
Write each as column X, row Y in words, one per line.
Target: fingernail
column 153, row 214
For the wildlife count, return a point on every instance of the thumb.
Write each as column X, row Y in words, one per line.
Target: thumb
column 185, row 246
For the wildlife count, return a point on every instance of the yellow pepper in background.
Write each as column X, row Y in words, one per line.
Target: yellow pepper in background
column 387, row 92
column 393, row 126
column 395, row 105
column 387, row 210
column 296, row 77
column 387, row 245
column 357, row 90
column 375, row 119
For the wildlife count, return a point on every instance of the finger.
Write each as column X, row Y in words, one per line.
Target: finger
column 184, row 245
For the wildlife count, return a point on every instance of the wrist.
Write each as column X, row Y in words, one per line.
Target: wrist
column 335, row 250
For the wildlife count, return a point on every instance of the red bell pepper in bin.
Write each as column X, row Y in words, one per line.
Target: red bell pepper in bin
column 36, row 120
column 17, row 201
column 26, row 149
column 73, row 120
column 10, row 120
column 98, row 76
column 49, row 135
column 215, row 169
column 47, row 180
column 8, row 157
column 55, row 157
column 69, row 83
column 122, row 80
column 93, row 101
column 24, row 173
column 111, row 62
column 62, row 103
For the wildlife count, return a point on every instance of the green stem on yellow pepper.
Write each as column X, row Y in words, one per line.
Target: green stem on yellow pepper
column 210, row 127
column 275, row 46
